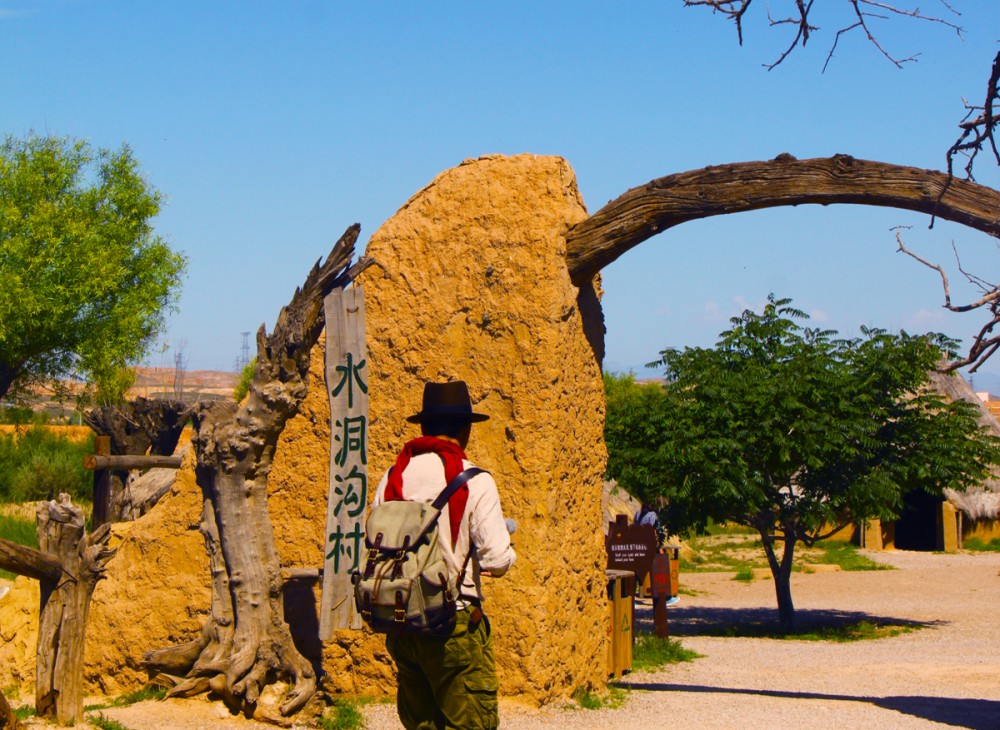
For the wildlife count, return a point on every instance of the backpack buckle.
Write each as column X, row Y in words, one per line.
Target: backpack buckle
column 373, row 557
column 399, row 615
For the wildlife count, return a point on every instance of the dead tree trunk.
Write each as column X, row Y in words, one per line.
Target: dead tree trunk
column 649, row 209
column 141, row 425
column 246, row 643
column 68, row 564
column 62, row 625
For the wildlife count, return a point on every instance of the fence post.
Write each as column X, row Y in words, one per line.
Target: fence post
column 102, row 484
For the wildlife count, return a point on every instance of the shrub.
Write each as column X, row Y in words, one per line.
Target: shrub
column 243, row 384
column 39, row 464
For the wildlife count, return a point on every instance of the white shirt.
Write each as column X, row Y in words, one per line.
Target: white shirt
column 424, row 480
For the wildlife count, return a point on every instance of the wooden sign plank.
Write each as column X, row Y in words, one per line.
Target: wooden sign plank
column 347, row 386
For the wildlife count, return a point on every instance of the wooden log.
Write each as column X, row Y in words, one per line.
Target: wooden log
column 247, row 643
column 95, row 462
column 29, row 562
column 288, row 574
column 65, row 604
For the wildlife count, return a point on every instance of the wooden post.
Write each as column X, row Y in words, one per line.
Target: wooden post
column 102, row 484
column 65, row 603
column 660, row 585
column 347, row 384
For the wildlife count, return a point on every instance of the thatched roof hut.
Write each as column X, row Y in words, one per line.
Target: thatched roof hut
column 977, row 503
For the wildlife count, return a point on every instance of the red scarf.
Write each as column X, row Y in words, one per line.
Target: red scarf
column 452, row 456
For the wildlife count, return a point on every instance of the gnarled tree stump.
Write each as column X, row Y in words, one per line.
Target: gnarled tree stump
column 68, row 565
column 134, row 428
column 246, row 644
column 62, row 625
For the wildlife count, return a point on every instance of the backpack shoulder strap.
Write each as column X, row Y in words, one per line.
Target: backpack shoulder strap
column 454, row 485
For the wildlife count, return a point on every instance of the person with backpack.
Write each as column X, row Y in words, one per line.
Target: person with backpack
column 443, row 648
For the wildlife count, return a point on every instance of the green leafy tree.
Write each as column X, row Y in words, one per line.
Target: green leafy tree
column 84, row 280
column 793, row 432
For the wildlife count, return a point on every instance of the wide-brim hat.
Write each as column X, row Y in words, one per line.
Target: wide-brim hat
column 447, row 400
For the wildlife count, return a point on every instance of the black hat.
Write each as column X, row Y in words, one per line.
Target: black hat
column 447, row 400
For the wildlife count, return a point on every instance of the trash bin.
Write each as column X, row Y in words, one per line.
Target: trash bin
column 621, row 588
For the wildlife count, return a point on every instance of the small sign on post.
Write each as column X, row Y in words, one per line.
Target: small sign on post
column 347, row 385
column 631, row 547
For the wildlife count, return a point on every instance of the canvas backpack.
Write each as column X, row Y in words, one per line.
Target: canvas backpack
column 406, row 585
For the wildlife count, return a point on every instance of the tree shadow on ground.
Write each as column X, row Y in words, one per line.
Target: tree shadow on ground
column 970, row 713
column 761, row 622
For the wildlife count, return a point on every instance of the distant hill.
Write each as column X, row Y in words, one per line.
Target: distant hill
column 192, row 385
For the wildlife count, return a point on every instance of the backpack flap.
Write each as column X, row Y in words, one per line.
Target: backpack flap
column 400, row 524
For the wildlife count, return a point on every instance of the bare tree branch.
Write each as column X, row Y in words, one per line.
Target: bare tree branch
column 803, row 29
column 734, row 10
column 985, row 342
column 979, row 125
column 864, row 11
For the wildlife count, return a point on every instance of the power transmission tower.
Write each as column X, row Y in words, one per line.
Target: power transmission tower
column 180, row 367
column 244, row 351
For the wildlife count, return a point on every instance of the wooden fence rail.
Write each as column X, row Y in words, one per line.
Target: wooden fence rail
column 97, row 462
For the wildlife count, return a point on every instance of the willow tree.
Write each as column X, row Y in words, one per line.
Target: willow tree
column 84, row 279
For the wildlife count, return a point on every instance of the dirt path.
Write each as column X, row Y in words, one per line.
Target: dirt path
column 945, row 674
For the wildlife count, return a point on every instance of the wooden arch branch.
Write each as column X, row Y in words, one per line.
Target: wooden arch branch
column 652, row 208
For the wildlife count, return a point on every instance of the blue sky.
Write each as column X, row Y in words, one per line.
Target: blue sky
column 270, row 127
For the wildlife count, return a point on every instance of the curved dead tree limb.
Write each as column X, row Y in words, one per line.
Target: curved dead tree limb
column 246, row 643
column 649, row 209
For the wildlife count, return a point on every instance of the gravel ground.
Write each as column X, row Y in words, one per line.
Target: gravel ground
column 945, row 674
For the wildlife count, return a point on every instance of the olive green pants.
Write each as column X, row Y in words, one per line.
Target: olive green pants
column 447, row 682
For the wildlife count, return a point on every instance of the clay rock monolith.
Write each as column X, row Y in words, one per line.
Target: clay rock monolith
column 470, row 282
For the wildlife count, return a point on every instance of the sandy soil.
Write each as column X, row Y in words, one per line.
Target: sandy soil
column 944, row 674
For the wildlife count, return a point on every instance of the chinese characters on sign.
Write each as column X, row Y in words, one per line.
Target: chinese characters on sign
column 631, row 547
column 347, row 385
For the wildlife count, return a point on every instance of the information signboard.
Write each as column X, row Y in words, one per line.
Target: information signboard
column 347, row 385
